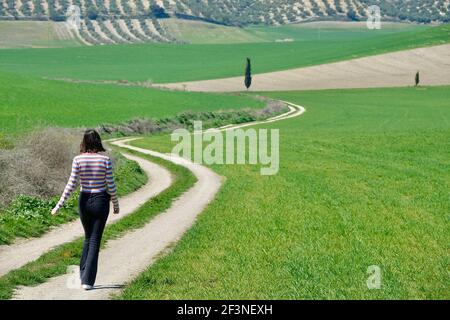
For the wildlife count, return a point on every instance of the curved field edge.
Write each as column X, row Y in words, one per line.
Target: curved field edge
column 28, row 103
column 129, row 178
column 394, row 69
column 56, row 261
column 159, row 63
column 362, row 182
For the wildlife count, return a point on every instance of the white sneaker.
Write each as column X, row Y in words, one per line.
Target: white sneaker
column 87, row 287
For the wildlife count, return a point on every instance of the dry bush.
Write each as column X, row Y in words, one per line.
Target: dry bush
column 39, row 164
column 5, row 142
column 185, row 120
column 273, row 107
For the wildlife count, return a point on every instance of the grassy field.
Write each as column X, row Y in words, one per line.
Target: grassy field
column 32, row 34
column 26, row 102
column 363, row 176
column 198, row 32
column 171, row 63
column 332, row 31
column 363, row 181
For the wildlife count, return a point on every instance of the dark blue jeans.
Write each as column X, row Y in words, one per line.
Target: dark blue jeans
column 94, row 211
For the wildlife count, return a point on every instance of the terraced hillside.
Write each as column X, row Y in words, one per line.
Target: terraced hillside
column 102, row 21
column 229, row 12
column 122, row 31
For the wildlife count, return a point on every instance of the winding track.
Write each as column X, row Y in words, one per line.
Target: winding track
column 123, row 259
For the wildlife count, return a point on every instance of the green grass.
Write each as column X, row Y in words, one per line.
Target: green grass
column 363, row 181
column 56, row 261
column 26, row 103
column 32, row 34
column 332, row 31
column 172, row 63
column 198, row 32
column 30, row 217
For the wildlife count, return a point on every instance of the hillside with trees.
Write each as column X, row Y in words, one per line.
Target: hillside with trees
column 134, row 21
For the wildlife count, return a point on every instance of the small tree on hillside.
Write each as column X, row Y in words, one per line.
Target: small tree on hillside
column 92, row 13
column 351, row 14
column 248, row 74
column 417, row 79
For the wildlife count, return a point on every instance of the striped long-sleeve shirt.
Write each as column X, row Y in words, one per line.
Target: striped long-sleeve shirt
column 95, row 173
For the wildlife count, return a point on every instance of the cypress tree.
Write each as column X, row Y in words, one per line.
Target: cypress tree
column 417, row 79
column 248, row 74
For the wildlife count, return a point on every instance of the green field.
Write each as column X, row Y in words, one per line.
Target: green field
column 363, row 174
column 333, row 31
column 26, row 103
column 363, row 181
column 172, row 63
column 198, row 32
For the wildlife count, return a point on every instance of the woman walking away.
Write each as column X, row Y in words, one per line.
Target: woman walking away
column 97, row 189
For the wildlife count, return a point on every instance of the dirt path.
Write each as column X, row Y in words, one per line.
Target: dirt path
column 20, row 253
column 125, row 258
column 394, row 69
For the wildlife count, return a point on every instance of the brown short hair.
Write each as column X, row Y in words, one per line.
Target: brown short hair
column 91, row 142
